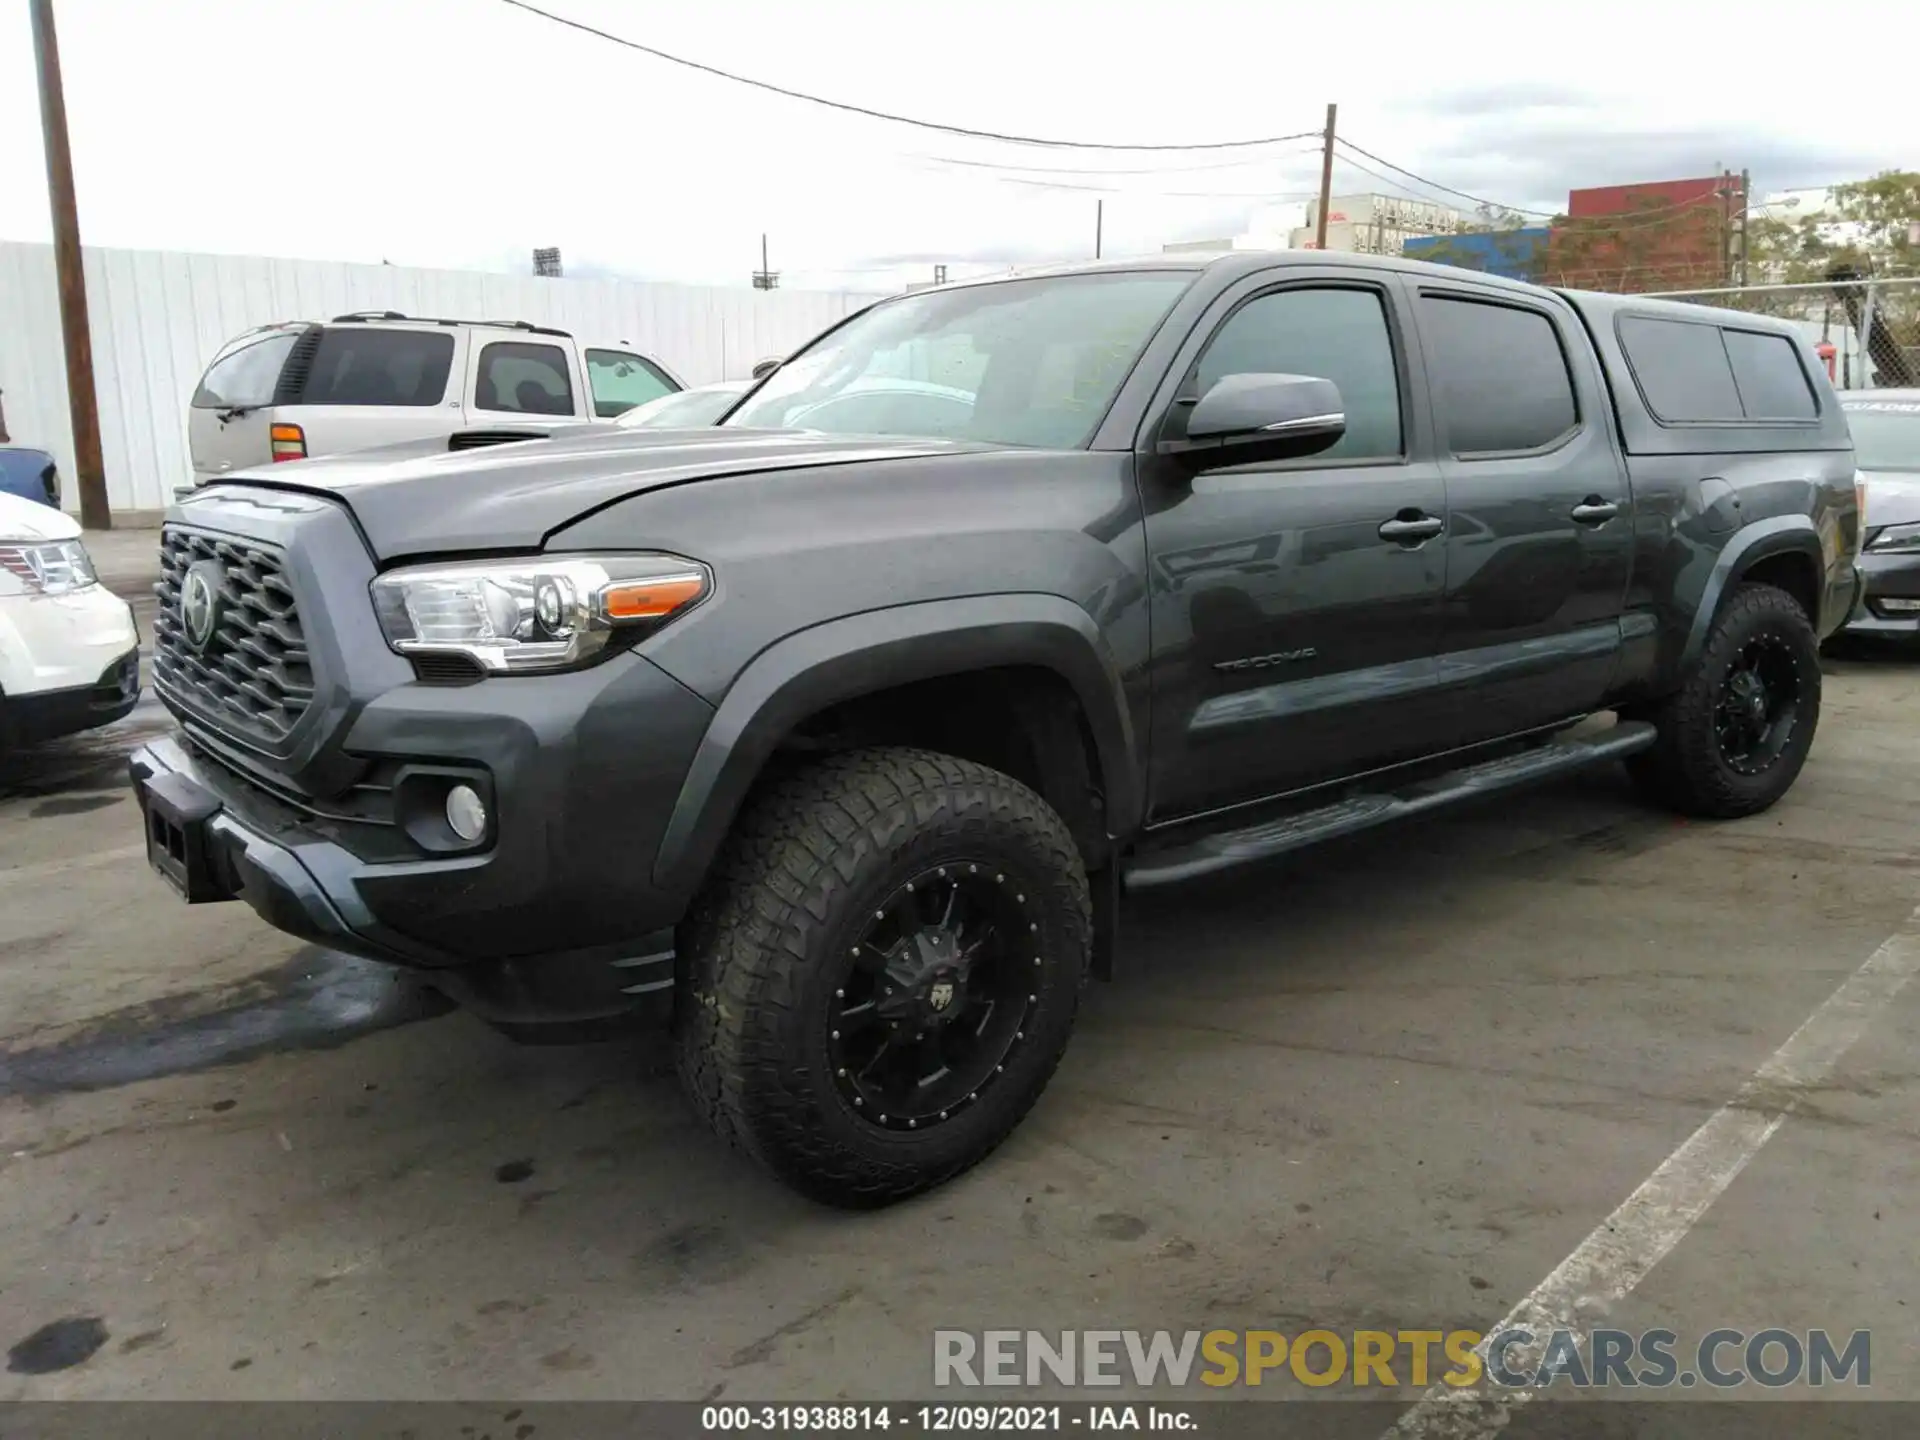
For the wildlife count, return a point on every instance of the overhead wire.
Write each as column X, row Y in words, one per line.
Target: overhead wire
column 871, row 113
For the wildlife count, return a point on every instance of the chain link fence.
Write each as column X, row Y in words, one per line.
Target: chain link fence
column 1866, row 331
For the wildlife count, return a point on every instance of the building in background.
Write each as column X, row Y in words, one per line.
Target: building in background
column 1654, row 235
column 1515, row 254
column 1378, row 224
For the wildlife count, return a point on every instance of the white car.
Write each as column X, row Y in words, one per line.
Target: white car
column 375, row 378
column 69, row 650
column 687, row 409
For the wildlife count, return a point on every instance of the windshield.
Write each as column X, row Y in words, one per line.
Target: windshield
column 1021, row 362
column 1886, row 434
column 686, row 409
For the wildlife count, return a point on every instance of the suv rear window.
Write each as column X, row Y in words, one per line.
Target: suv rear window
column 248, row 376
column 357, row 365
column 1700, row 373
column 523, row 379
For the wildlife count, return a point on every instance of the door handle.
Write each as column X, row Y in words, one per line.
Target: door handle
column 1411, row 527
column 1595, row 511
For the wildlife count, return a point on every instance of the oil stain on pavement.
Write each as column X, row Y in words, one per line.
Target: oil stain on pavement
column 318, row 1000
column 59, row 1346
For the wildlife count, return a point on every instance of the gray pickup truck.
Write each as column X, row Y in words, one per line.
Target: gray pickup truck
column 838, row 746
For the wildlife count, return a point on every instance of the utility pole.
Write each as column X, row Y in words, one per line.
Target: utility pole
column 1727, row 225
column 1099, row 223
column 765, row 278
column 1326, row 181
column 1746, row 219
column 82, row 404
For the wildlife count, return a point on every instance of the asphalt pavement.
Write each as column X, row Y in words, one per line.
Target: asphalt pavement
column 1425, row 1079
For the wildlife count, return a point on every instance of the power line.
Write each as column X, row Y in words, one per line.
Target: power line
column 1103, row 170
column 1345, row 144
column 873, row 114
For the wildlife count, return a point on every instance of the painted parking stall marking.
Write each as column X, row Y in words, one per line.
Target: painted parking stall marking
column 1624, row 1247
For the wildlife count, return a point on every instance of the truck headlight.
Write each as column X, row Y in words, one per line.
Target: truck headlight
column 539, row 613
column 48, row 567
column 1896, row 538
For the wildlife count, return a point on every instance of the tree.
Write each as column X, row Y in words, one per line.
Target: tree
column 1655, row 243
column 1871, row 226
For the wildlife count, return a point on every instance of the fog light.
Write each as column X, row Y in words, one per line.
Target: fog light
column 466, row 813
column 1901, row 607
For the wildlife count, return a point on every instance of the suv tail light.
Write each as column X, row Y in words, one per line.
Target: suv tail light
column 289, row 442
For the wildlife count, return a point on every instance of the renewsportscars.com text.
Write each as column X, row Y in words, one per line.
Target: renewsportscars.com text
column 1515, row 1358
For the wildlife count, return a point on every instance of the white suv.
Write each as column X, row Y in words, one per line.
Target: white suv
column 304, row 388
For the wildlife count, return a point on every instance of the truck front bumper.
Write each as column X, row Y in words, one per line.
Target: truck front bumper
column 552, row 916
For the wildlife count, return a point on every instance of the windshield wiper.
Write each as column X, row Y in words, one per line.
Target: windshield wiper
column 234, row 412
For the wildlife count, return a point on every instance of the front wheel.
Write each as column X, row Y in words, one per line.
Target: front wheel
column 884, row 973
column 1732, row 739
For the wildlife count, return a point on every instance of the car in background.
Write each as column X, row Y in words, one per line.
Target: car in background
column 882, row 405
column 29, row 474
column 1886, row 439
column 694, row 408
column 376, row 378
column 69, row 650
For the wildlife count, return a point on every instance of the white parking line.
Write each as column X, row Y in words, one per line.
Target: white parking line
column 1607, row 1265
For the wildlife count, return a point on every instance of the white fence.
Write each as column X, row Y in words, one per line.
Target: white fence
column 157, row 318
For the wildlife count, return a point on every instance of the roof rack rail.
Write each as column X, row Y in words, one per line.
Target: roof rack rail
column 358, row 316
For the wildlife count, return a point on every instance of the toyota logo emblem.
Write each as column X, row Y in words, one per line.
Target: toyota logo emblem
column 200, row 603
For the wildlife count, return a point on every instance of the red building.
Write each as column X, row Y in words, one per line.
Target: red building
column 1656, row 235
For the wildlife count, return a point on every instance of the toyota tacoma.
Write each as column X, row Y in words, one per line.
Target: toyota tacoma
column 835, row 733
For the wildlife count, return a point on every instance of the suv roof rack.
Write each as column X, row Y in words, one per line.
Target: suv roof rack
column 360, row 316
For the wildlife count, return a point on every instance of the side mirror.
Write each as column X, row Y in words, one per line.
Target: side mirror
column 1261, row 417
column 765, row 368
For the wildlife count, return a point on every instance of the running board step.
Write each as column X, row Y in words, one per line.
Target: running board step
column 1230, row 849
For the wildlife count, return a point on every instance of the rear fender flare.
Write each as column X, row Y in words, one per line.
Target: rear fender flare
column 877, row 650
column 1763, row 539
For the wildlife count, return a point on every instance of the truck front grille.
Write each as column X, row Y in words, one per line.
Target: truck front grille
column 248, row 675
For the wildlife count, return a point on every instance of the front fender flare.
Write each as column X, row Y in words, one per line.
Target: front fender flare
column 877, row 650
column 1777, row 535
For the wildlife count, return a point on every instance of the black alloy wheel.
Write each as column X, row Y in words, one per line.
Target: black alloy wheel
column 1732, row 737
column 1758, row 704
column 883, row 971
column 934, row 997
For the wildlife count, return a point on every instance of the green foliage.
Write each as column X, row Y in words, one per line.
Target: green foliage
column 1869, row 228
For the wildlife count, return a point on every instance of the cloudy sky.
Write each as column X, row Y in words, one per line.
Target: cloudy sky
column 465, row 132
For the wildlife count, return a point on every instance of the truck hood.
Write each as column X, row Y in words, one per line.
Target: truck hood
column 1893, row 497
column 421, row 498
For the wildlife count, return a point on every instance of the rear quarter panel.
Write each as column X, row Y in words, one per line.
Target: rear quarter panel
column 1711, row 501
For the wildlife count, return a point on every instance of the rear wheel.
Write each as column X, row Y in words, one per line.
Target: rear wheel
column 1733, row 738
column 884, row 973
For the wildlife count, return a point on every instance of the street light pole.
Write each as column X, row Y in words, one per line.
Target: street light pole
column 82, row 404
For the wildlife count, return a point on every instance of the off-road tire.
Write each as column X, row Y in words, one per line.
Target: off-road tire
column 808, row 859
column 1685, row 770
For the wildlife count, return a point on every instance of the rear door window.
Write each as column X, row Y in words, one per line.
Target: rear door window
column 523, row 379
column 247, row 377
column 363, row 366
column 620, row 380
column 1500, row 374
